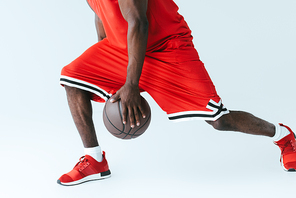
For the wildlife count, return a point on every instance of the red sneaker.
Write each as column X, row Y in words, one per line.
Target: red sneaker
column 87, row 169
column 288, row 151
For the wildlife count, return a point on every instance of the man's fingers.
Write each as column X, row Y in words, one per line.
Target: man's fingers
column 134, row 116
column 142, row 112
column 131, row 117
column 114, row 98
column 124, row 113
column 137, row 116
column 131, row 111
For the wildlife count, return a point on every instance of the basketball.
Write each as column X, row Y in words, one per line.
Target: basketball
column 112, row 118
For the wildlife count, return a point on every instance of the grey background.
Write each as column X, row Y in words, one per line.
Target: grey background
column 248, row 48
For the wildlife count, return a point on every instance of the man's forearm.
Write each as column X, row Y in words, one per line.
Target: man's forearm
column 137, row 43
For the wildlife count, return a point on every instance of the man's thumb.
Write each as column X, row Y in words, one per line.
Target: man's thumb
column 114, row 98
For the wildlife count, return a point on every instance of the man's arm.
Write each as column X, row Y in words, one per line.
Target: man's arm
column 134, row 12
column 100, row 28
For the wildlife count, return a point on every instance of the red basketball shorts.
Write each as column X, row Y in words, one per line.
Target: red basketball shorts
column 174, row 77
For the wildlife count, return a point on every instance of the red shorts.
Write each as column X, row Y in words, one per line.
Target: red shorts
column 174, row 77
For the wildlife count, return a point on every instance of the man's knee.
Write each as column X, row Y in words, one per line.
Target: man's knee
column 222, row 124
column 70, row 89
column 76, row 92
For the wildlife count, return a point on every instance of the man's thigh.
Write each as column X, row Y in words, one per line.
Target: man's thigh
column 101, row 70
column 181, row 86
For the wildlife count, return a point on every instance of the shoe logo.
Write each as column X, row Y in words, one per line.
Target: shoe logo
column 84, row 166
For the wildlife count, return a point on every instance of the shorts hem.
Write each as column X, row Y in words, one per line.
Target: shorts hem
column 80, row 84
column 218, row 110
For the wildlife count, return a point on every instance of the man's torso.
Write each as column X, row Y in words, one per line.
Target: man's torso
column 165, row 23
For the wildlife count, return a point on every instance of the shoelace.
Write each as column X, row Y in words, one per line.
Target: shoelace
column 287, row 145
column 83, row 163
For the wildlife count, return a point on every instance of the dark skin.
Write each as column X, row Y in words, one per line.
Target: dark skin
column 134, row 12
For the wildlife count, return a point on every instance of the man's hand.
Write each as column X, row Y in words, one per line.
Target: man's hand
column 131, row 103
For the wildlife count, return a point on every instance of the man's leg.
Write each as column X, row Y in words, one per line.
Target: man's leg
column 247, row 123
column 81, row 110
column 93, row 165
column 243, row 122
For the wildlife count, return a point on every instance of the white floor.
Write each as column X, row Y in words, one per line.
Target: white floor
column 249, row 51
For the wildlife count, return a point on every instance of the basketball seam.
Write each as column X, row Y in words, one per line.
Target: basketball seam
column 141, row 126
column 111, row 122
column 120, row 113
column 128, row 133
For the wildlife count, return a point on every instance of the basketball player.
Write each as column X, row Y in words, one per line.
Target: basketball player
column 145, row 45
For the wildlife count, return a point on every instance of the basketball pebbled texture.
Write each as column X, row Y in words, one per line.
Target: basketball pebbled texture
column 112, row 118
